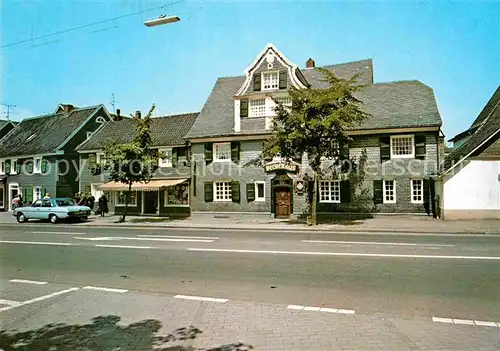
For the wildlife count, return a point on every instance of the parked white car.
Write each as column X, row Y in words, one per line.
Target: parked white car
column 53, row 209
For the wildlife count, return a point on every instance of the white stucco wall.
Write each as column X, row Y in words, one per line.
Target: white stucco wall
column 475, row 187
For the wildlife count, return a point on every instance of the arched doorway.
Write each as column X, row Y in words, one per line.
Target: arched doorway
column 282, row 195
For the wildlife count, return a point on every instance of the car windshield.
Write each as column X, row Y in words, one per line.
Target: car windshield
column 65, row 202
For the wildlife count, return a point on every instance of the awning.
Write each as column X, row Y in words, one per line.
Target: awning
column 152, row 185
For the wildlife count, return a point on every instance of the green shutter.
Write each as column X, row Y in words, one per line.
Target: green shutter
column 29, row 194
column 378, row 195
column 235, row 191
column 235, row 151
column 250, row 192
column 426, row 186
column 209, row 192
column 244, row 108
column 256, row 81
column 283, row 78
column 175, row 157
column 43, row 167
column 92, row 160
column 385, row 148
column 345, row 191
column 420, row 146
column 208, row 153
column 17, row 167
column 7, row 167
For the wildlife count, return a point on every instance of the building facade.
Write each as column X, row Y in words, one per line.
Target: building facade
column 399, row 145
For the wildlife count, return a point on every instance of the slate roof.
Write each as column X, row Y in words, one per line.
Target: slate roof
column 165, row 131
column 487, row 131
column 392, row 105
column 49, row 131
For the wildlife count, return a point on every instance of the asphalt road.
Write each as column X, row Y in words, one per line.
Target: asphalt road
column 397, row 275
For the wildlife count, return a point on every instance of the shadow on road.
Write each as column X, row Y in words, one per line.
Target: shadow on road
column 105, row 334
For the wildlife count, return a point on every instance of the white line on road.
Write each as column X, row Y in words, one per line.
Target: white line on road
column 45, row 297
column 98, row 288
column 36, row 243
column 10, row 303
column 27, row 281
column 200, row 298
column 319, row 309
column 124, row 246
column 179, row 237
column 64, row 233
column 465, row 322
column 350, row 254
column 117, row 238
column 372, row 243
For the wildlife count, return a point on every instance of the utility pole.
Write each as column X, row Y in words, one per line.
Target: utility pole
column 113, row 102
column 9, row 106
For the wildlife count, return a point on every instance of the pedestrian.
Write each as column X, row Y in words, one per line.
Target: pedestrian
column 47, row 196
column 91, row 201
column 15, row 202
column 83, row 200
column 102, row 205
column 77, row 198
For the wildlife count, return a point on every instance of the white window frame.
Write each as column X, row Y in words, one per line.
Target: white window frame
column 35, row 168
column 412, row 155
column 117, row 199
column 166, row 162
column 99, row 157
column 216, row 157
column 39, row 189
column 227, row 197
column 421, row 201
column 270, row 74
column 330, row 194
column 2, row 166
column 257, row 198
column 260, row 110
column 13, row 164
column 385, row 191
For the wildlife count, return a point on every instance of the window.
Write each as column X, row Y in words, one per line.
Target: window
column 402, row 146
column 100, row 158
column 2, row 166
column 222, row 191
column 285, row 101
column 65, row 202
column 37, row 203
column 46, row 203
column 13, row 167
column 100, row 120
column 222, row 152
column 329, row 191
column 37, row 192
column 177, row 195
column 389, row 192
column 167, row 161
column 260, row 191
column 257, row 108
column 37, row 165
column 417, row 191
column 271, row 80
column 121, row 196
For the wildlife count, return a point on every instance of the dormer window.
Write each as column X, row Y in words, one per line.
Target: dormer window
column 100, row 120
column 270, row 80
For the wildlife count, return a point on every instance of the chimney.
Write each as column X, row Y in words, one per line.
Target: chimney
column 137, row 114
column 118, row 117
column 67, row 108
column 310, row 63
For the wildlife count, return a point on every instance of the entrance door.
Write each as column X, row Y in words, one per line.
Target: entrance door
column 282, row 202
column 13, row 192
column 150, row 203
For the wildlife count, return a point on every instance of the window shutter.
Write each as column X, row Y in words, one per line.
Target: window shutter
column 29, row 194
column 283, row 78
column 256, row 81
column 208, row 153
column 7, row 167
column 92, row 160
column 250, row 192
column 43, row 167
column 209, row 192
column 244, row 108
column 235, row 151
column 378, row 193
column 18, row 167
column 420, row 146
column 345, row 191
column 426, row 191
column 235, row 191
column 385, row 148
column 175, row 157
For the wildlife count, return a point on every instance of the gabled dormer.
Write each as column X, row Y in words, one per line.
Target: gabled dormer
column 269, row 75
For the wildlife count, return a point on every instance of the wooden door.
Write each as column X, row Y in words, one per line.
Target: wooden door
column 150, row 202
column 283, row 202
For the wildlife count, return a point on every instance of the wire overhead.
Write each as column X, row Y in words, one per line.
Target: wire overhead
column 90, row 24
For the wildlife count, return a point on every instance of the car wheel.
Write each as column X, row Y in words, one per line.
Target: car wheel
column 53, row 218
column 21, row 218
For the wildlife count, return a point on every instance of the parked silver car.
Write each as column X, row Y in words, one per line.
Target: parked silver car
column 53, row 209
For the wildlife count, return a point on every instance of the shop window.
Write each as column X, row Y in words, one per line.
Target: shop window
column 177, row 195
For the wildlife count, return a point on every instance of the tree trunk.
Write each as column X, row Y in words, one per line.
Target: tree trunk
column 127, row 199
column 314, row 201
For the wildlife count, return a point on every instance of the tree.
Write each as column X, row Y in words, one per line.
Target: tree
column 316, row 125
column 132, row 162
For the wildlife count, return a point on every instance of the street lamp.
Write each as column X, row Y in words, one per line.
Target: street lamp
column 163, row 19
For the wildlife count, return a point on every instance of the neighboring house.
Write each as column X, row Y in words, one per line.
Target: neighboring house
column 38, row 156
column 403, row 133
column 167, row 194
column 469, row 184
column 5, row 128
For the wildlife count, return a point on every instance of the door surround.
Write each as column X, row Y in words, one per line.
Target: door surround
column 283, row 182
column 12, row 186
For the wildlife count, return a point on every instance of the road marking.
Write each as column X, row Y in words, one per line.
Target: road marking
column 465, row 322
column 124, row 246
column 331, row 310
column 98, row 288
column 319, row 309
column 36, row 243
column 351, row 254
column 10, row 303
column 115, row 238
column 178, row 236
column 372, row 243
column 64, row 233
column 313, row 309
column 346, row 311
column 27, row 281
column 295, row 307
column 200, row 298
column 45, row 297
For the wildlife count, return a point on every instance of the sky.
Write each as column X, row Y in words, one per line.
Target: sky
column 453, row 47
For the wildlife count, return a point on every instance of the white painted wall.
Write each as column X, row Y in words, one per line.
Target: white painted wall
column 475, row 187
